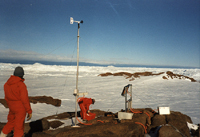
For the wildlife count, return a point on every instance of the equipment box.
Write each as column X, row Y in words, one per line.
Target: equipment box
column 164, row 110
column 124, row 115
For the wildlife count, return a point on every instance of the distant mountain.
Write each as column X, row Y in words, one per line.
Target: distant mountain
column 87, row 64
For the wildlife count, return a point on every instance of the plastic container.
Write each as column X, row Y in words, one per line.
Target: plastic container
column 164, row 110
column 124, row 115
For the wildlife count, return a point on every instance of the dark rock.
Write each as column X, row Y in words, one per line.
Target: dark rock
column 164, row 77
column 37, row 126
column 158, row 120
column 3, row 102
column 130, row 76
column 45, row 124
column 41, row 134
column 179, row 121
column 99, row 113
column 106, row 125
column 103, row 130
column 172, row 75
column 38, row 99
column 55, row 124
column 45, row 99
column 168, row 131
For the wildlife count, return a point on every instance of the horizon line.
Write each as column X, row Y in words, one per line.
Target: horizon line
column 44, row 62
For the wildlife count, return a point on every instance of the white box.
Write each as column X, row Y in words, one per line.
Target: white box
column 164, row 110
column 124, row 115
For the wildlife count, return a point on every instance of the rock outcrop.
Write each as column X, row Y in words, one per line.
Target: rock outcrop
column 133, row 76
column 143, row 122
column 38, row 99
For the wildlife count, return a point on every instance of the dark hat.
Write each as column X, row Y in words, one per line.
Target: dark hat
column 18, row 71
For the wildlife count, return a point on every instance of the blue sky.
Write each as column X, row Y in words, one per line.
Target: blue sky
column 145, row 32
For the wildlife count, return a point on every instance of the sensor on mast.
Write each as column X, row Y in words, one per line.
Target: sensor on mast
column 71, row 20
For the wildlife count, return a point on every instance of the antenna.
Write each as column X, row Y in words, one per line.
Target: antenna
column 76, row 91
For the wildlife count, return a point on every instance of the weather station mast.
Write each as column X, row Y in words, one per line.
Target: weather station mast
column 76, row 91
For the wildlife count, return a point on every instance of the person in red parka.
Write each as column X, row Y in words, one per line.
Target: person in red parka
column 16, row 96
column 84, row 104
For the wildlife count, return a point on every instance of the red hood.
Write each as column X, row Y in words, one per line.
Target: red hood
column 14, row 79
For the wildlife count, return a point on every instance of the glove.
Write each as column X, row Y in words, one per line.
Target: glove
column 29, row 116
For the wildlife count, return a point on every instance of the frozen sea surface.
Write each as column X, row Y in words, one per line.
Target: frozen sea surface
column 148, row 91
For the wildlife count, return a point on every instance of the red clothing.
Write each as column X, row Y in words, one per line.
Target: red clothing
column 84, row 104
column 16, row 96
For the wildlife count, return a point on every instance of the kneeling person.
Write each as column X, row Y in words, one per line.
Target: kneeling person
column 84, row 104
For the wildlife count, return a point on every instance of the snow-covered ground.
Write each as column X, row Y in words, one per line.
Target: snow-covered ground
column 148, row 91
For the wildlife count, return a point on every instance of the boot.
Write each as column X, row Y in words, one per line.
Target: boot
column 2, row 134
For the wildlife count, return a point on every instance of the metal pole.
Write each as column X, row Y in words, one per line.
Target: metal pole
column 77, row 75
column 131, row 97
column 77, row 58
column 126, row 101
column 130, row 100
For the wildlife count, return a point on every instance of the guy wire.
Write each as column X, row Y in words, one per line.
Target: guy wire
column 141, row 100
column 147, row 97
column 113, row 103
column 70, row 61
column 69, row 65
column 60, row 46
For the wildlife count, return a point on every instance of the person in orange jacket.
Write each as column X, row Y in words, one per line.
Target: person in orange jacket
column 84, row 104
column 16, row 96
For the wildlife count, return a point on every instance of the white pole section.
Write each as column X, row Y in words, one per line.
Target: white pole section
column 77, row 73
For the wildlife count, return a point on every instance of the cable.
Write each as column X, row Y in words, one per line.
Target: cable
column 60, row 46
column 135, row 111
column 113, row 103
column 83, row 123
column 177, row 130
column 69, row 65
column 142, row 100
column 145, row 128
column 100, row 121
